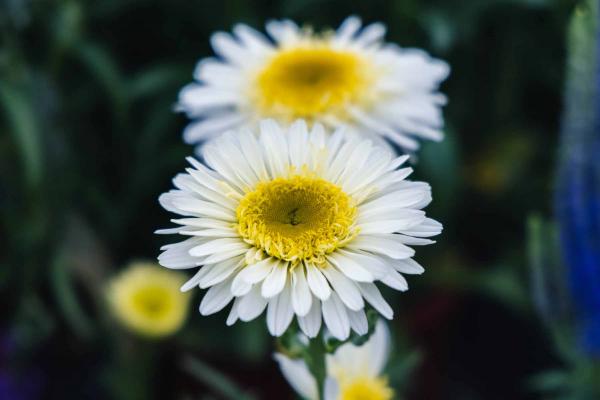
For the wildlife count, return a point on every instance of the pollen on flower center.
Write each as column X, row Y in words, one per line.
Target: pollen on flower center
column 367, row 389
column 297, row 218
column 305, row 81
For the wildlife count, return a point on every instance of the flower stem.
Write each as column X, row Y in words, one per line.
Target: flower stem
column 315, row 360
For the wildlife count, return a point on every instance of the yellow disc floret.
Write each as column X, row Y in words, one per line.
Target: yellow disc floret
column 305, row 81
column 146, row 299
column 297, row 218
column 366, row 388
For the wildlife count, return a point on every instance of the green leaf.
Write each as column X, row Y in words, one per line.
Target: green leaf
column 215, row 380
column 402, row 370
column 550, row 381
column 155, row 79
column 66, row 297
column 290, row 342
column 66, row 28
column 439, row 164
column 105, row 71
column 25, row 131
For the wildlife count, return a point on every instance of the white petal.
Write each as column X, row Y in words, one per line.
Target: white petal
column 225, row 255
column 169, row 231
column 388, row 226
column 253, row 153
column 216, row 298
column 427, row 228
column 408, row 266
column 253, row 39
column 374, row 298
column 370, row 34
column 275, row 281
column 188, row 205
column 414, row 241
column 206, row 128
column 348, row 28
column 358, row 321
column 224, row 45
column 298, row 376
column 273, row 141
column 345, row 288
column 336, row 317
column 311, row 322
column 378, row 347
column 301, row 296
column 233, row 315
column 256, row 272
column 195, row 98
column 280, row 312
column 396, row 281
column 390, row 202
column 251, row 305
column 317, row 282
column 383, row 129
column 376, row 264
column 193, row 281
column 176, row 255
column 298, row 135
column 216, row 246
column 387, row 245
column 283, row 32
column 332, row 389
column 218, row 273
column 350, row 267
column 216, row 73
column 239, row 286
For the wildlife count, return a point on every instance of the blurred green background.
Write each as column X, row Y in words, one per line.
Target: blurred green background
column 89, row 139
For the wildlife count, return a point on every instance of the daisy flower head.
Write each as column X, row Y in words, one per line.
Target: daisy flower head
column 146, row 299
column 349, row 76
column 353, row 372
column 298, row 222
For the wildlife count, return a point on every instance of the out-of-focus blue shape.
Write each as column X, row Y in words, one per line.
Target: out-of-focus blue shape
column 13, row 386
column 578, row 190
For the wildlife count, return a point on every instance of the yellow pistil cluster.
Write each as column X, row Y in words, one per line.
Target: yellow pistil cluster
column 366, row 388
column 297, row 218
column 146, row 299
column 311, row 79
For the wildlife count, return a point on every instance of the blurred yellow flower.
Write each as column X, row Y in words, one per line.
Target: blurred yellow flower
column 146, row 299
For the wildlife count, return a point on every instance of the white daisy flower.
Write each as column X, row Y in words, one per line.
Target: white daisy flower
column 350, row 76
column 299, row 223
column 353, row 372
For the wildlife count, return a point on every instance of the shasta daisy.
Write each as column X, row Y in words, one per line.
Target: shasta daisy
column 297, row 222
column 350, row 76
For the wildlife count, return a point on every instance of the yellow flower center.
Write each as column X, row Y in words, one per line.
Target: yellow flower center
column 305, row 81
column 152, row 301
column 297, row 218
column 367, row 389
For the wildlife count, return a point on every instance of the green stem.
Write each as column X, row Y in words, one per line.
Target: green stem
column 315, row 360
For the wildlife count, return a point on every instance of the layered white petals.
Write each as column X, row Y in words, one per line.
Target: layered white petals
column 404, row 102
column 336, row 290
